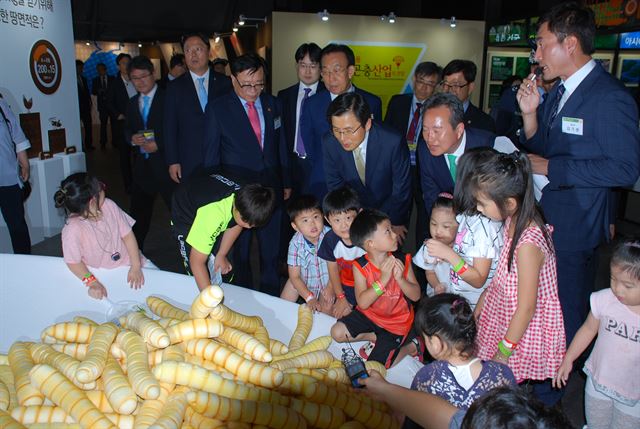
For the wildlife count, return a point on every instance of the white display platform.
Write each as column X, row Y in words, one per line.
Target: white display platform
column 72, row 163
column 48, row 173
column 37, row 291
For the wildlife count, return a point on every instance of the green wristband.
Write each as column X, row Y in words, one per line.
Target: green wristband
column 457, row 267
column 377, row 289
column 504, row 349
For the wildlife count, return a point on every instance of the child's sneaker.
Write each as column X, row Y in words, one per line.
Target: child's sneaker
column 365, row 350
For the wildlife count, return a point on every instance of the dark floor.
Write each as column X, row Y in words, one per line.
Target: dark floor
column 160, row 247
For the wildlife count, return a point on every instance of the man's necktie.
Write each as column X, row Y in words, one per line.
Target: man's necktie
column 255, row 121
column 411, row 135
column 202, row 93
column 104, row 82
column 146, row 106
column 556, row 104
column 357, row 154
column 452, row 166
column 300, row 150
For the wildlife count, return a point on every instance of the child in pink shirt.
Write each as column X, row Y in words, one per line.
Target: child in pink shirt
column 97, row 233
column 612, row 390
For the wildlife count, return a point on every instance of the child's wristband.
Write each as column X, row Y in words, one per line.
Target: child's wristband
column 309, row 297
column 462, row 270
column 504, row 349
column 457, row 267
column 88, row 278
column 377, row 289
column 508, row 344
column 341, row 296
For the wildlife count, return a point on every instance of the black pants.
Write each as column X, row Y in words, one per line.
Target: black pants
column 104, row 119
column 125, row 154
column 85, row 117
column 142, row 209
column 12, row 208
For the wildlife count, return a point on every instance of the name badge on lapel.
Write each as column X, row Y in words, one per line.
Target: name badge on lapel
column 572, row 125
column 276, row 123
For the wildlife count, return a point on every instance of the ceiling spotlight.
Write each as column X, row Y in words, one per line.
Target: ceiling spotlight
column 216, row 37
column 139, row 45
column 88, row 44
column 235, row 28
column 392, row 18
column 241, row 19
column 324, row 15
column 453, row 22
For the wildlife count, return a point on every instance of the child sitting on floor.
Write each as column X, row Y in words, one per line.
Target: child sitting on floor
column 382, row 284
column 308, row 275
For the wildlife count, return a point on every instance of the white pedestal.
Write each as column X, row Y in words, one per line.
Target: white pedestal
column 48, row 174
column 72, row 163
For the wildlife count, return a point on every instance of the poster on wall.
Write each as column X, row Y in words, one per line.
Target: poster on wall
column 523, row 67
column 495, row 91
column 501, row 67
column 385, row 69
column 630, row 71
column 38, row 72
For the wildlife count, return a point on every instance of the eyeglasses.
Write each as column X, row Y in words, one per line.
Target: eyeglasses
column 338, row 133
column 195, row 49
column 425, row 83
column 306, row 66
column 454, row 86
column 135, row 79
column 253, row 86
column 326, row 71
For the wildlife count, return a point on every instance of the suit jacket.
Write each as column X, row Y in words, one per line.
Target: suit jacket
column 117, row 97
column 398, row 112
column 101, row 91
column 184, row 120
column 151, row 174
column 288, row 99
column 476, row 118
column 388, row 184
column 314, row 126
column 233, row 150
column 435, row 176
column 583, row 168
column 84, row 96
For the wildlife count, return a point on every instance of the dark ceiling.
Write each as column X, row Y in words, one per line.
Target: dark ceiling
column 166, row 20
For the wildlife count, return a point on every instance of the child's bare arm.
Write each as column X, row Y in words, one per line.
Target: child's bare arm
column 300, row 287
column 581, row 341
column 198, row 266
column 435, row 283
column 364, row 296
column 221, row 263
column 96, row 289
column 409, row 286
column 135, row 277
column 342, row 306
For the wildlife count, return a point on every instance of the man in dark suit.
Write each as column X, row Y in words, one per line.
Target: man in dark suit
column 84, row 102
column 368, row 157
column 585, row 141
column 143, row 130
column 120, row 91
column 187, row 98
column 404, row 114
column 100, row 88
column 446, row 139
column 176, row 69
column 244, row 142
column 459, row 79
column 337, row 64
column 292, row 100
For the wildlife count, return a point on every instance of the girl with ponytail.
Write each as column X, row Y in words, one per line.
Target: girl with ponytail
column 448, row 327
column 519, row 316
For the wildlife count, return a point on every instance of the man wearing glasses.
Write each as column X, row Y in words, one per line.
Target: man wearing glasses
column 368, row 157
column 244, row 142
column 404, row 114
column 337, row 64
column 459, row 79
column 143, row 131
column 187, row 98
column 292, row 100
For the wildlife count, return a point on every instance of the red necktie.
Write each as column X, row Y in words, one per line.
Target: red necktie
column 255, row 121
column 411, row 135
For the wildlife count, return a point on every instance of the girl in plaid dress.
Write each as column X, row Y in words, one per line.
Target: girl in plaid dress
column 520, row 319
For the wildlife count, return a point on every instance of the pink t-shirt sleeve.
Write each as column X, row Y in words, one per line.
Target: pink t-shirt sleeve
column 123, row 221
column 71, row 249
column 596, row 300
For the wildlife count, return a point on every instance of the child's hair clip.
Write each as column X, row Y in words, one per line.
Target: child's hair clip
column 445, row 195
column 455, row 304
column 634, row 243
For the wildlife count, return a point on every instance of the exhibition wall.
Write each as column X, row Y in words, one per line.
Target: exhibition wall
column 386, row 54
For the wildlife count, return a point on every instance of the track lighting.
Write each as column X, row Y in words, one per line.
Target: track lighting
column 324, row 15
column 453, row 22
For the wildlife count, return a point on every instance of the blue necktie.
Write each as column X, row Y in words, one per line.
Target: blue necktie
column 146, row 106
column 556, row 105
column 299, row 142
column 202, row 93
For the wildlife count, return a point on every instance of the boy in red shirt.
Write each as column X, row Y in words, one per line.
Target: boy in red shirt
column 383, row 285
